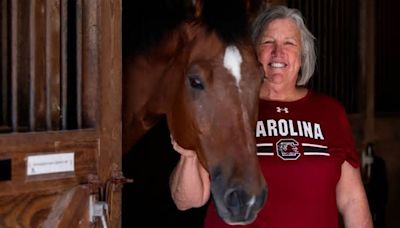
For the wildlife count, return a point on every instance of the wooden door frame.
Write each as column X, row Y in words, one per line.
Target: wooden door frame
column 97, row 150
column 110, row 70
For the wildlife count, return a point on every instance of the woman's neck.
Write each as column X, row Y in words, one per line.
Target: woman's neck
column 282, row 94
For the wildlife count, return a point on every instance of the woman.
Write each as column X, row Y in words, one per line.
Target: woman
column 306, row 149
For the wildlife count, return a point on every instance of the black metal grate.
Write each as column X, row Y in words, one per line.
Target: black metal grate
column 387, row 57
column 335, row 24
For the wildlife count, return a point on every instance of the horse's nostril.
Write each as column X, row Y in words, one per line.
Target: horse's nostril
column 236, row 201
column 232, row 198
column 243, row 206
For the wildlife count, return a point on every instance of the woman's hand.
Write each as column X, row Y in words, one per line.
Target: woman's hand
column 189, row 181
column 184, row 152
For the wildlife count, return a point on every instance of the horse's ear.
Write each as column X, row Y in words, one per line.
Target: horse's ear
column 253, row 7
column 190, row 26
column 190, row 29
column 198, row 8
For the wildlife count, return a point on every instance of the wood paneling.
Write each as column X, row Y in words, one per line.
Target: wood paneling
column 35, row 209
column 84, row 145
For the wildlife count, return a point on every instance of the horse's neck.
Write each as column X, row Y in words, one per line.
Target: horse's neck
column 149, row 87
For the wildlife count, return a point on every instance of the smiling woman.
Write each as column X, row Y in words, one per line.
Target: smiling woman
column 280, row 50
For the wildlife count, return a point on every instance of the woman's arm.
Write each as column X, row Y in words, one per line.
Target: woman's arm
column 351, row 199
column 189, row 181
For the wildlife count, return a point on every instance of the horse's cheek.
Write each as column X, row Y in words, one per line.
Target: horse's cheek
column 182, row 129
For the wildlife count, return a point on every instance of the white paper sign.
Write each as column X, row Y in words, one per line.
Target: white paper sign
column 50, row 163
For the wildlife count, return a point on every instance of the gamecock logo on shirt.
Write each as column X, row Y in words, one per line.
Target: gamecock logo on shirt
column 287, row 149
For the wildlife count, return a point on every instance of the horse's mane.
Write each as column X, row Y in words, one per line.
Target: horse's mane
column 228, row 18
column 146, row 23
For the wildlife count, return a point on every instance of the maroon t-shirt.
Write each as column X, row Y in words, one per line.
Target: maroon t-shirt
column 301, row 147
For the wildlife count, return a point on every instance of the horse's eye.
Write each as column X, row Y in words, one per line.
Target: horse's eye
column 195, row 82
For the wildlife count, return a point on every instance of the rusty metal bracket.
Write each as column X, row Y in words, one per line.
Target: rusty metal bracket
column 101, row 196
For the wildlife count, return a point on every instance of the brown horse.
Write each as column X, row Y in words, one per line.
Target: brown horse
column 206, row 81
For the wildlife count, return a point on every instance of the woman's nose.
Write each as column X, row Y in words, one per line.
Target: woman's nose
column 277, row 50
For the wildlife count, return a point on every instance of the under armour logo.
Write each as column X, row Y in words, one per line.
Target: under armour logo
column 284, row 109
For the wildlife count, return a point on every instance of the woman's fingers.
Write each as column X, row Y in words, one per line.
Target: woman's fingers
column 182, row 151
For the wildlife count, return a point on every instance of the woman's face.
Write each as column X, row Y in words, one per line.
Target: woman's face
column 279, row 51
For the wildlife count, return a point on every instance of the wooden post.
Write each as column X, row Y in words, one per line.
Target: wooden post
column 110, row 72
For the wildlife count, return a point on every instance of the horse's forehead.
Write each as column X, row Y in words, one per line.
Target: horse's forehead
column 207, row 45
column 233, row 59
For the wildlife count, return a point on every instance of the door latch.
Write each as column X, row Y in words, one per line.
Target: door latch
column 101, row 195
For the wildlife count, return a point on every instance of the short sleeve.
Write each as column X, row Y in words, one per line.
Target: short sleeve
column 348, row 144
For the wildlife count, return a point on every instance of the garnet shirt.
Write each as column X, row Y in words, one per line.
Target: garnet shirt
column 301, row 147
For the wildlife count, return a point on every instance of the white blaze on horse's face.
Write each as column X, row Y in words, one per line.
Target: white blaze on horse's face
column 232, row 62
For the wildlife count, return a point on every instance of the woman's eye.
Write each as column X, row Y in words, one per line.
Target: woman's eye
column 195, row 82
column 267, row 42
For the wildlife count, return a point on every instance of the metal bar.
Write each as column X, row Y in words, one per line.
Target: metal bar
column 332, row 73
column 348, row 71
column 79, row 63
column 4, row 63
column 344, row 92
column 345, row 72
column 48, row 70
column 380, row 59
column 64, row 62
column 386, row 29
column 19, row 65
column 39, row 54
column 355, row 58
column 90, row 64
column 14, row 65
column 335, row 83
column 318, row 43
column 37, row 47
column 32, row 83
column 326, row 46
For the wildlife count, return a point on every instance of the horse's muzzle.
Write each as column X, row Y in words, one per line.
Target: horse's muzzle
column 242, row 207
column 237, row 205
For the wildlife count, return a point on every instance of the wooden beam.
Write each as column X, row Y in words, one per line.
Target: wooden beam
column 110, row 71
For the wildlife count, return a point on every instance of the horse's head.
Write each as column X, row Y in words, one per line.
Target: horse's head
column 207, row 83
column 214, row 112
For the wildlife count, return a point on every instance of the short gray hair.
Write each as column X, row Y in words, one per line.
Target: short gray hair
column 308, row 56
